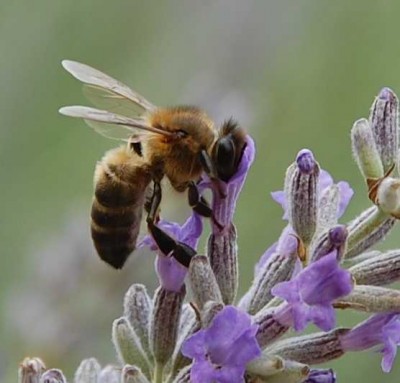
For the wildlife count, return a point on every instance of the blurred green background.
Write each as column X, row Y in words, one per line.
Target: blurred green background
column 296, row 74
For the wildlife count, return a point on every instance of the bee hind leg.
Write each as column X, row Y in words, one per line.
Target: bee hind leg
column 168, row 245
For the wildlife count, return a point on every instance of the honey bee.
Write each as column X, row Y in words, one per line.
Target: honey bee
column 179, row 143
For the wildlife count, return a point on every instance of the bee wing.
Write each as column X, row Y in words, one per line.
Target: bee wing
column 112, row 125
column 107, row 92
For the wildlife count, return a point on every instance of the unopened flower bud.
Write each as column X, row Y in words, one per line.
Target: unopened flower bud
column 365, row 151
column 132, row 374
column 53, row 376
column 165, row 323
column 137, row 309
column 202, row 281
column 372, row 299
column 379, row 269
column 311, row 349
column 303, row 196
column 128, row 345
column 110, row 374
column 367, row 229
column 30, row 370
column 88, row 371
column 222, row 251
column 384, row 125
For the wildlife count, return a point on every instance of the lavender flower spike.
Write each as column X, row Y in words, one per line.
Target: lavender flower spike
column 221, row 352
column 379, row 330
column 311, row 293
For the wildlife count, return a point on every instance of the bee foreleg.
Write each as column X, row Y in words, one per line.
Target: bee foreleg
column 197, row 202
column 170, row 247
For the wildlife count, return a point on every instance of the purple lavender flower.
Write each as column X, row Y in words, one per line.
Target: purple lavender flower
column 311, row 293
column 325, row 180
column 170, row 272
column 221, row 352
column 321, row 376
column 381, row 330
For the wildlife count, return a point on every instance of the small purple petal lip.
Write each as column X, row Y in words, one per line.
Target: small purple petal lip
column 305, row 161
column 321, row 376
column 311, row 293
column 221, row 352
column 382, row 330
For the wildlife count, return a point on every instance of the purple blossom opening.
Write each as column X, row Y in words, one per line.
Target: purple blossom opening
column 381, row 330
column 171, row 273
column 311, row 293
column 321, row 376
column 224, row 208
column 325, row 180
column 221, row 352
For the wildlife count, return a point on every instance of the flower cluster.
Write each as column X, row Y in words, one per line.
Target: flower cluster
column 316, row 267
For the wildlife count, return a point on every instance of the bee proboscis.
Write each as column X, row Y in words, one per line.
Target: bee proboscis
column 179, row 143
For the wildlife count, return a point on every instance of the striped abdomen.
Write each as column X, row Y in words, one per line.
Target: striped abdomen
column 121, row 179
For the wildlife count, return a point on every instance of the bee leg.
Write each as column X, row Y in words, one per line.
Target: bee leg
column 168, row 245
column 197, row 202
column 153, row 204
column 200, row 205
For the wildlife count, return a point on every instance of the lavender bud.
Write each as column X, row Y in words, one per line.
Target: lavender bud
column 372, row 299
column 328, row 207
column 270, row 327
column 333, row 239
column 384, row 125
column 365, row 151
column 292, row 372
column 279, row 268
column 128, row 345
column 202, row 281
column 165, row 323
column 388, row 196
column 381, row 269
column 137, row 309
column 88, row 371
column 132, row 374
column 53, row 376
column 30, row 370
column 367, row 229
column 302, row 197
column 265, row 365
column 110, row 374
column 222, row 251
column 311, row 349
